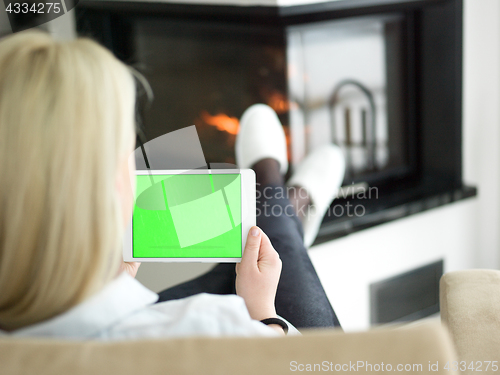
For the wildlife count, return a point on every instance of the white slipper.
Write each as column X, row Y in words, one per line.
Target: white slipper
column 260, row 136
column 321, row 173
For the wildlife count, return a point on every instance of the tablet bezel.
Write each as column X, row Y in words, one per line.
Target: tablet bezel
column 249, row 220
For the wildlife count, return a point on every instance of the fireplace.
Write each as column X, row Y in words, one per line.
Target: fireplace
column 380, row 78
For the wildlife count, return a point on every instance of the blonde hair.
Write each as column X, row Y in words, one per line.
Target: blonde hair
column 66, row 121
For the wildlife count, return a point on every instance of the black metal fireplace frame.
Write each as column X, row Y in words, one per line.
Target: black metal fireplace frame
column 434, row 82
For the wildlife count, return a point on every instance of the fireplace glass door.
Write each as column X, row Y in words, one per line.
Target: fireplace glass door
column 342, row 81
column 346, row 86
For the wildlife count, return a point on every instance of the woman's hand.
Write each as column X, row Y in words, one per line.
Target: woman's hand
column 258, row 274
column 130, row 267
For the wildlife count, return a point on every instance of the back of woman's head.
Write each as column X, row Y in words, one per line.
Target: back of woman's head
column 66, row 121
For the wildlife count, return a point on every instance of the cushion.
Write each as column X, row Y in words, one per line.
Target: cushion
column 470, row 307
column 281, row 355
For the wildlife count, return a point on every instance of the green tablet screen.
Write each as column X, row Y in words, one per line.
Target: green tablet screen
column 187, row 216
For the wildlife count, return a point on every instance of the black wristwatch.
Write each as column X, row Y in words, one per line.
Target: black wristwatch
column 277, row 321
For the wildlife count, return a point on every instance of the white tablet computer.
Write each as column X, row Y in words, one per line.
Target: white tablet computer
column 191, row 215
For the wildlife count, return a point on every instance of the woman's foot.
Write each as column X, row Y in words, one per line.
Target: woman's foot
column 261, row 136
column 267, row 172
column 320, row 174
column 261, row 145
column 300, row 200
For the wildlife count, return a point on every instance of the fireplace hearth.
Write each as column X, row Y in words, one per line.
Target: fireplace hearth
column 380, row 78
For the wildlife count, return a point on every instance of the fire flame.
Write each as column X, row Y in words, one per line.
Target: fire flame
column 222, row 122
column 278, row 102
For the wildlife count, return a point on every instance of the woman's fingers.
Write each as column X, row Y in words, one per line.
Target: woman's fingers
column 268, row 256
column 266, row 247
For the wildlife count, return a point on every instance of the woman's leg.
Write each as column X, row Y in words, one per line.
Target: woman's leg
column 300, row 298
column 219, row 280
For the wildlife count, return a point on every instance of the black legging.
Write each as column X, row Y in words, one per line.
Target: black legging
column 300, row 297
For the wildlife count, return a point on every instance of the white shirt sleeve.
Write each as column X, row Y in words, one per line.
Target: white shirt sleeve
column 199, row 315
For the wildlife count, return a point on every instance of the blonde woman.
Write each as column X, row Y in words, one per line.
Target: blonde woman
column 66, row 131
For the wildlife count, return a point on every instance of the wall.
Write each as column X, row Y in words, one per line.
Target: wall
column 482, row 124
column 465, row 234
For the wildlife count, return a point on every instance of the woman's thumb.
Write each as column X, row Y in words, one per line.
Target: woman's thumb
column 252, row 247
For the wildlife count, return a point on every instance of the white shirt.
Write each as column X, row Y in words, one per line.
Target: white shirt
column 125, row 309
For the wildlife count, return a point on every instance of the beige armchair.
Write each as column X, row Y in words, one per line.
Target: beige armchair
column 470, row 307
column 332, row 351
